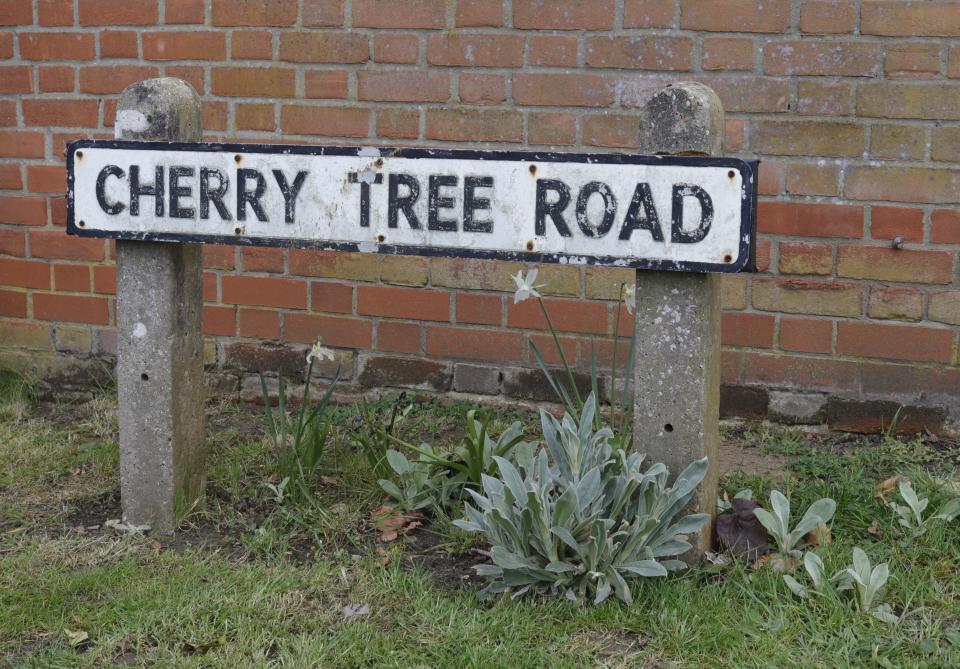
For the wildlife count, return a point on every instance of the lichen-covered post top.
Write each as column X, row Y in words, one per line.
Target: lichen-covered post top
column 159, row 110
column 682, row 119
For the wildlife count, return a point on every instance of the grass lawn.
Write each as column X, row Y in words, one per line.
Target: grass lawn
column 249, row 582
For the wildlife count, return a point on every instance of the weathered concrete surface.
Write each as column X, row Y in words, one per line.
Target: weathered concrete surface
column 159, row 336
column 677, row 370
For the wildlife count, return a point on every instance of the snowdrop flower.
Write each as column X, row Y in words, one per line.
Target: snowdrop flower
column 525, row 286
column 320, row 352
column 630, row 297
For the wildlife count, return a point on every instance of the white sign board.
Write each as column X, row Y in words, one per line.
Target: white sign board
column 679, row 213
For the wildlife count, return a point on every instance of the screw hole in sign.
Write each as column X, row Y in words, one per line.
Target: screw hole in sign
column 668, row 427
column 144, row 377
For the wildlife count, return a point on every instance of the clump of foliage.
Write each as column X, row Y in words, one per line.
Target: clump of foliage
column 587, row 523
column 910, row 514
column 372, row 431
column 868, row 584
column 777, row 522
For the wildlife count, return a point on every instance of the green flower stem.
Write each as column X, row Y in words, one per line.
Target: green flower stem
column 563, row 358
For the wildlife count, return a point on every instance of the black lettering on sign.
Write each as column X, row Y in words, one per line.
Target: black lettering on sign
column 552, row 209
column 435, row 202
column 609, row 209
column 177, row 191
column 354, row 177
column 677, row 233
column 472, row 203
column 290, row 192
column 253, row 198
column 642, row 214
column 215, row 195
column 112, row 208
column 136, row 190
column 405, row 204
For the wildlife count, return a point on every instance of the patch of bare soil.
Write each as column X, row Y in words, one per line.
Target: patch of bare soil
column 448, row 570
column 737, row 457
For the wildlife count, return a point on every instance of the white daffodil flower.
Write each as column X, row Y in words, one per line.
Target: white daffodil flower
column 320, row 352
column 630, row 297
column 525, row 286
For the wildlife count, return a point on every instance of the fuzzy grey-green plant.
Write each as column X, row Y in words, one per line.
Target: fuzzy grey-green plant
column 580, row 519
column 817, row 573
column 868, row 584
column 910, row 515
column 777, row 523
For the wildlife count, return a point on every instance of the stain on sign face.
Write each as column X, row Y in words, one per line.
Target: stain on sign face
column 686, row 214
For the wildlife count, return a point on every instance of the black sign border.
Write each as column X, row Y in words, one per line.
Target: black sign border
column 745, row 261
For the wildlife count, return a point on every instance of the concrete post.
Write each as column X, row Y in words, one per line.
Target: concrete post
column 159, row 335
column 677, row 374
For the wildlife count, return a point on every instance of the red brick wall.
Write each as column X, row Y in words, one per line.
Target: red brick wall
column 853, row 107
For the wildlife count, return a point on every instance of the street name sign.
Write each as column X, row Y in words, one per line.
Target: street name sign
column 688, row 214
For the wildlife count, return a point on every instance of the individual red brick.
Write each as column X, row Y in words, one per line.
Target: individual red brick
column 912, row 60
column 806, row 296
column 57, row 245
column 479, row 13
column 806, row 335
column 728, row 53
column 13, row 243
column 474, row 343
column 813, row 179
column 13, row 304
column 329, row 121
column 210, row 290
column 50, row 112
column 24, row 274
column 403, row 85
column 891, row 379
column 793, row 371
column 331, row 297
column 467, row 125
column 551, row 128
column 23, row 210
column 808, row 138
column 563, row 14
column 903, row 184
column 260, row 323
column 648, row 13
column 823, row 58
column 251, row 45
column 71, row 308
column 268, row 82
column 410, row 14
column 905, row 304
column 185, row 45
column 482, row 89
column 945, row 226
column 118, row 12
column 263, row 291
column 734, row 135
column 100, row 79
column 945, row 143
column 58, row 210
column 567, row 316
column 953, row 63
column 326, row 84
column 220, row 321
column 183, row 11
column 747, row 330
column 428, row 305
column 335, row 330
column 640, row 52
column 323, row 13
column 548, row 349
column 398, row 123
column 770, row 178
column 57, row 79
column 219, row 256
column 261, row 259
column 254, row 13
column 55, row 12
column 398, row 337
column 611, row 130
column 562, row 89
column 935, row 18
column 810, row 220
column 254, row 117
column 71, row 278
column 894, row 342
column 806, row 258
column 929, row 100
column 882, row 263
column 6, row 45
column 118, row 44
column 396, row 48
column 479, row 309
column 10, row 177
column 16, row 12
column 47, row 178
column 753, row 16
column 17, row 79
column 105, row 279
column 324, row 47
column 57, row 46
column 334, row 264
column 890, row 222
column 475, row 50
column 552, row 50
column 8, row 113
column 824, row 98
column 17, row 144
column 828, row 17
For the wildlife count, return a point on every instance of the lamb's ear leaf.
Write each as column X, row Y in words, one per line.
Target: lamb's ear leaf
column 781, row 509
column 769, row 522
column 795, row 586
column 823, row 508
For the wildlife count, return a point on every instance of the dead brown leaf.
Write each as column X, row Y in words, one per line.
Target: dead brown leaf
column 822, row 536
column 874, row 528
column 391, row 522
column 887, row 486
